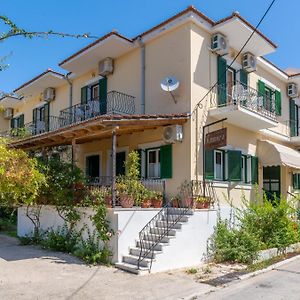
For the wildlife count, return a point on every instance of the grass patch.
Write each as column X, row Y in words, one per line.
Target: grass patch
column 192, row 271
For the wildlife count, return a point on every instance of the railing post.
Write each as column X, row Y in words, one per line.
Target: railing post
column 114, row 149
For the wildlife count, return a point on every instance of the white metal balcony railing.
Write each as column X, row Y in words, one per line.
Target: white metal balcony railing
column 240, row 95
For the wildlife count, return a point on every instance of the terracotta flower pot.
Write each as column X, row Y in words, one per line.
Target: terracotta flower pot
column 188, row 202
column 175, row 203
column 202, row 205
column 126, row 201
column 146, row 203
column 157, row 203
column 79, row 185
column 108, row 201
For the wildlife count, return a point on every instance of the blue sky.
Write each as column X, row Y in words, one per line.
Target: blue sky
column 27, row 58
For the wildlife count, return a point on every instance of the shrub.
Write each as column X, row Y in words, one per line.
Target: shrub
column 60, row 240
column 261, row 225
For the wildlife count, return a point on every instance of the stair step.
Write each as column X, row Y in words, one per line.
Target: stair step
column 133, row 260
column 164, row 224
column 183, row 219
column 155, row 237
column 177, row 211
column 158, row 230
column 132, row 268
column 137, row 251
column 147, row 245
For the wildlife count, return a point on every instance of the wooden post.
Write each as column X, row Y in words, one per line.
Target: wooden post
column 74, row 156
column 113, row 167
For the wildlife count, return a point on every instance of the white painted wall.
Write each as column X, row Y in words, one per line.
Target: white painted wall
column 126, row 224
column 189, row 248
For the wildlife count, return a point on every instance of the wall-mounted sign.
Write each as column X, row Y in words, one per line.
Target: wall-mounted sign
column 216, row 139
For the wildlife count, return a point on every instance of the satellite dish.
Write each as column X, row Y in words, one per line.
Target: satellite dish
column 170, row 84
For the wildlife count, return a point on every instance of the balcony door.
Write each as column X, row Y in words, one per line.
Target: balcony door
column 230, row 79
column 41, row 119
column 92, row 168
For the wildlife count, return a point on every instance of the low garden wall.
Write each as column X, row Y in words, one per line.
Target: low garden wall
column 125, row 223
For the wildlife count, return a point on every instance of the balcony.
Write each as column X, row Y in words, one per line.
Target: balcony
column 116, row 104
column 243, row 106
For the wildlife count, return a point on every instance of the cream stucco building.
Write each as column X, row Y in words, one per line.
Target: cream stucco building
column 260, row 117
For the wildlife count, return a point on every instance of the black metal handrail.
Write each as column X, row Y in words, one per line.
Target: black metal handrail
column 238, row 94
column 34, row 128
column 150, row 237
column 115, row 103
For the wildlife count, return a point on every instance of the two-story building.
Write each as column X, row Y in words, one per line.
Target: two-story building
column 111, row 101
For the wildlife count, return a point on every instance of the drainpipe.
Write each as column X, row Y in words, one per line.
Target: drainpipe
column 67, row 78
column 143, row 74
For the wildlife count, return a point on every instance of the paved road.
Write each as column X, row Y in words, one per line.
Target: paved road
column 282, row 283
column 27, row 272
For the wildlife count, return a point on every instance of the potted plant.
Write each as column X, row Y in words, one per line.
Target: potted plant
column 146, row 201
column 202, row 202
column 124, row 192
column 175, row 201
column 157, row 199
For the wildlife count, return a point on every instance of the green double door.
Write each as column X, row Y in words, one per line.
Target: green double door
column 272, row 182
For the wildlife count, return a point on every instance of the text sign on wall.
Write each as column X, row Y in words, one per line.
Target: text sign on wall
column 216, row 139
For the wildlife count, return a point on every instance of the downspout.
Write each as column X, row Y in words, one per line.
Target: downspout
column 143, row 74
column 67, row 78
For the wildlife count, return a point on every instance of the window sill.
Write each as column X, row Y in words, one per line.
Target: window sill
column 239, row 186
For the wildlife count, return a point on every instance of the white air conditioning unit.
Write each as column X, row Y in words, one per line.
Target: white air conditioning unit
column 49, row 94
column 173, row 134
column 249, row 62
column 219, row 44
column 292, row 90
column 106, row 66
column 8, row 113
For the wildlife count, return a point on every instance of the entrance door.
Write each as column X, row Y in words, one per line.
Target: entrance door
column 93, row 168
column 271, row 176
column 120, row 163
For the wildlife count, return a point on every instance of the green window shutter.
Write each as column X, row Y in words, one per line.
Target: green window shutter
column 12, row 123
column 21, row 122
column 293, row 124
column 209, row 164
column 244, row 78
column 222, row 88
column 234, row 163
column 103, row 95
column 254, row 170
column 84, row 95
column 47, row 116
column 262, row 90
column 166, row 161
column 278, row 103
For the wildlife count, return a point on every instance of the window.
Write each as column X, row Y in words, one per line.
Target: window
column 95, row 92
column 153, row 163
column 231, row 165
column 219, row 165
column 17, row 122
column 93, row 167
column 296, row 181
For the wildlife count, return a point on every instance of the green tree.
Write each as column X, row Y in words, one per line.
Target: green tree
column 20, row 177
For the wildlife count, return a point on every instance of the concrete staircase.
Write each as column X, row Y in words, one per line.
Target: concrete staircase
column 130, row 261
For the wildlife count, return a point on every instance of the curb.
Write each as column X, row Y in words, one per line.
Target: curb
column 269, row 268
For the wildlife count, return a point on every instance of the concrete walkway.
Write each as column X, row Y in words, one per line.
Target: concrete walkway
column 28, row 272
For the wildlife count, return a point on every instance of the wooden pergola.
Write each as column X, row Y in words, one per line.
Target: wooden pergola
column 98, row 128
